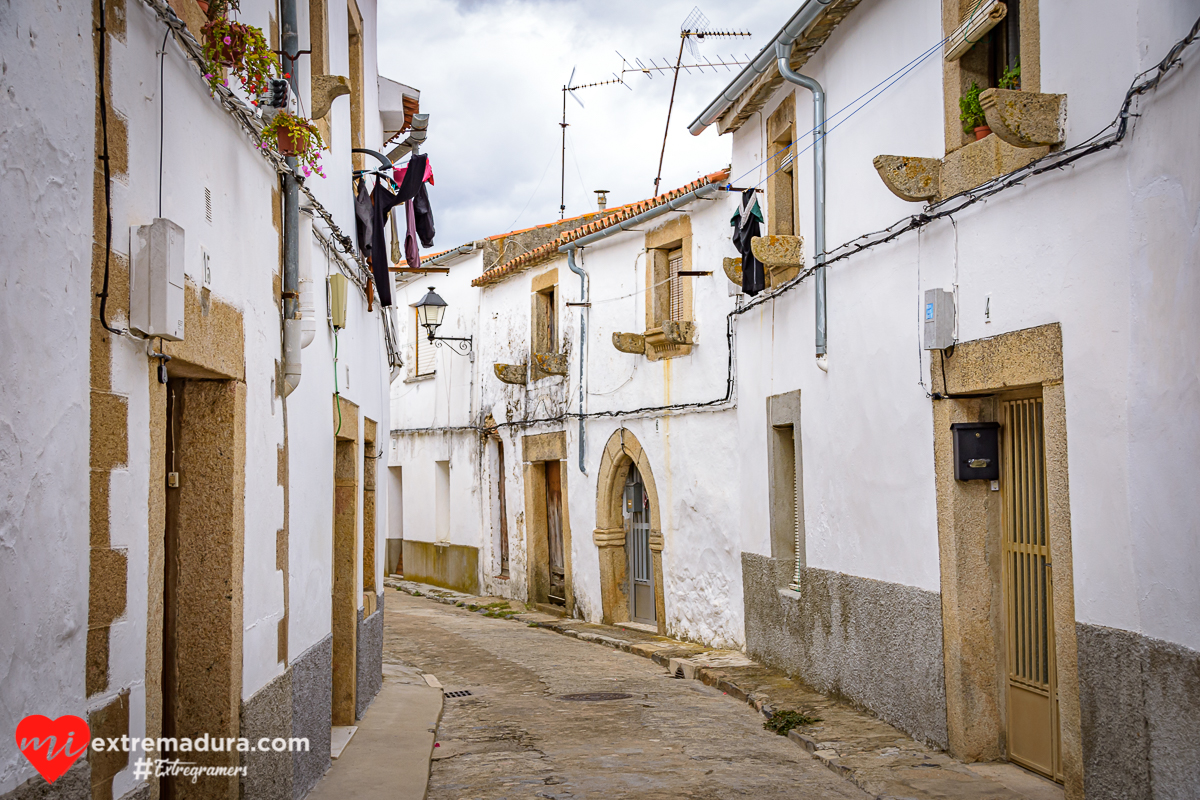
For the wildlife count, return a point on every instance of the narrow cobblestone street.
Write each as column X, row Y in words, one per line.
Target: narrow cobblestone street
column 514, row 737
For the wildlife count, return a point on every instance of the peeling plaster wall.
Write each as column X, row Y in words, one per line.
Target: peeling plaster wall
column 46, row 162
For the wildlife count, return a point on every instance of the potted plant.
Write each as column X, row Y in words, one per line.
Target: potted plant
column 297, row 137
column 971, row 113
column 1011, row 79
column 243, row 49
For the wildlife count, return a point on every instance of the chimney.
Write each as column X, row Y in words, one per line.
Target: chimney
column 602, row 198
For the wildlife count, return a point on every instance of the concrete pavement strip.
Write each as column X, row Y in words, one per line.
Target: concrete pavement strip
column 391, row 750
column 878, row 758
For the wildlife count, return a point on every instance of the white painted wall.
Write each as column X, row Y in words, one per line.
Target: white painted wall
column 1107, row 249
column 46, row 163
column 46, row 149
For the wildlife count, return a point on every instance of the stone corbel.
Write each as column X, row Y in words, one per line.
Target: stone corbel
column 733, row 270
column 609, row 537
column 629, row 342
column 326, row 88
column 912, row 179
column 515, row 374
column 1026, row 119
column 551, row 363
column 781, row 256
column 656, row 541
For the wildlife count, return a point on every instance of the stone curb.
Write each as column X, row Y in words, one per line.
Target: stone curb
column 877, row 758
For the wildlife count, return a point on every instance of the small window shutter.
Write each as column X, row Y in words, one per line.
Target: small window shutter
column 425, row 353
column 675, row 264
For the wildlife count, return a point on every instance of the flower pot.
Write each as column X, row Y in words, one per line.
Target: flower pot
column 226, row 53
column 203, row 6
column 982, row 132
column 289, row 143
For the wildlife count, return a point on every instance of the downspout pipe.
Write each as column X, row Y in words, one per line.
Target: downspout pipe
column 292, row 324
column 578, row 270
column 804, row 18
column 783, row 53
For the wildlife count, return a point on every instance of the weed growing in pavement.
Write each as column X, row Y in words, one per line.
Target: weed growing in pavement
column 783, row 721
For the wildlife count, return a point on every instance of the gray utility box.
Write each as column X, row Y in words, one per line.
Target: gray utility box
column 939, row 319
column 156, row 279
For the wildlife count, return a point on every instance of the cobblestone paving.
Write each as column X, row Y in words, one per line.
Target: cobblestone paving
column 513, row 737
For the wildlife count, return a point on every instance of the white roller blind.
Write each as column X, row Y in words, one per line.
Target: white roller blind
column 675, row 263
column 425, row 354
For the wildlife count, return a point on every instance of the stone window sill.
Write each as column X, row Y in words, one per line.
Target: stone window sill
column 420, row 378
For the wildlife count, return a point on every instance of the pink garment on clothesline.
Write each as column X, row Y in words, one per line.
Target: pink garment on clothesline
column 398, row 173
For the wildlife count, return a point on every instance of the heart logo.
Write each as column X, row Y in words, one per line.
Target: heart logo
column 50, row 744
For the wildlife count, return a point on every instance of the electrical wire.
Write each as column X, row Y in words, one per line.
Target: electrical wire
column 108, row 223
column 162, row 104
column 1102, row 140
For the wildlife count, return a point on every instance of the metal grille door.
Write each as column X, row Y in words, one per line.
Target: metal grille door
column 637, row 543
column 1033, row 733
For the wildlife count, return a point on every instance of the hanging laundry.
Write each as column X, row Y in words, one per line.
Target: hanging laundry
column 382, row 203
column 411, row 252
column 399, row 172
column 412, row 190
column 362, row 218
column 747, row 224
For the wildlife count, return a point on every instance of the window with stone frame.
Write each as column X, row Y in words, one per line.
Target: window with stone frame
column 1012, row 44
column 781, row 182
column 544, row 326
column 357, row 96
column 669, row 318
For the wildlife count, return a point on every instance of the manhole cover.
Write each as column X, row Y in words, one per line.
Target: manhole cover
column 594, row 697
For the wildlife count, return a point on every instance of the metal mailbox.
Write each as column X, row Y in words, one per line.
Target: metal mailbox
column 976, row 451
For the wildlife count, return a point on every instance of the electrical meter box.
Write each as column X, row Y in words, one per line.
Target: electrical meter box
column 339, row 287
column 976, row 451
column 633, row 498
column 939, row 319
column 156, row 279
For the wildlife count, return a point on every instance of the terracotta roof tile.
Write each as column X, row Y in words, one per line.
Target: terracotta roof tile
column 620, row 214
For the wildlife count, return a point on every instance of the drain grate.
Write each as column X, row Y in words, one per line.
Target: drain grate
column 595, row 697
column 459, row 693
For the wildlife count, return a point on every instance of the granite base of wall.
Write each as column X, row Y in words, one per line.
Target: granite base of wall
column 368, row 666
column 140, row 793
column 451, row 566
column 75, row 784
column 268, row 713
column 1139, row 701
column 312, row 714
column 876, row 644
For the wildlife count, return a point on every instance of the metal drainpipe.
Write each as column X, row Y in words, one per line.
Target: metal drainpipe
column 783, row 52
column 290, row 41
column 582, row 344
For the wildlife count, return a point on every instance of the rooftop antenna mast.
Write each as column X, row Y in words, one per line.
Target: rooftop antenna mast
column 570, row 88
column 695, row 27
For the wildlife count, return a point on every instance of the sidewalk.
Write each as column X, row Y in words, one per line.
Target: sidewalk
column 876, row 757
column 389, row 755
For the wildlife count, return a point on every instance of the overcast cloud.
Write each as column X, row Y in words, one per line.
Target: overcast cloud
column 490, row 74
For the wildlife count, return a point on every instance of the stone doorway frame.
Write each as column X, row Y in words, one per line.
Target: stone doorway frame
column 622, row 451
column 969, row 544
column 536, row 450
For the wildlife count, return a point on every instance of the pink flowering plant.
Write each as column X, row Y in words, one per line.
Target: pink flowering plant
column 244, row 50
column 295, row 136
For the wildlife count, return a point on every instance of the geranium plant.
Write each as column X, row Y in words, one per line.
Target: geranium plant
column 241, row 48
column 295, row 136
column 970, row 110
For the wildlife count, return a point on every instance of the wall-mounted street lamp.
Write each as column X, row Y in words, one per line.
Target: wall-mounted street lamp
column 430, row 311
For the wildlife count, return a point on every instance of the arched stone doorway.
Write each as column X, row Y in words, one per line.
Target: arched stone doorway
column 622, row 452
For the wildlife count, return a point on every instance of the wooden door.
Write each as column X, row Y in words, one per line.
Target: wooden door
column 637, row 546
column 1032, row 691
column 554, row 533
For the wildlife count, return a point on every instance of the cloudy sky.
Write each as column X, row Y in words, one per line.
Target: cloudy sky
column 491, row 73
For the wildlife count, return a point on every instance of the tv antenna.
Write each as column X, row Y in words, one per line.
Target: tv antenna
column 695, row 28
column 570, row 88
